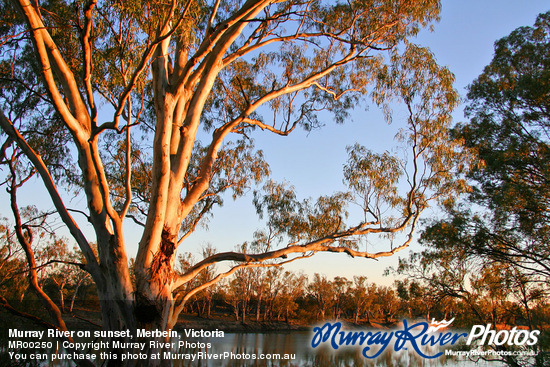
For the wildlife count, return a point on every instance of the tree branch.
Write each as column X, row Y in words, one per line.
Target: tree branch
column 38, row 267
column 219, row 134
column 87, row 48
column 44, row 173
column 319, row 245
column 76, row 118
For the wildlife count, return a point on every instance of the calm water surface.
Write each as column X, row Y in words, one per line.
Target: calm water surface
column 298, row 345
column 294, row 344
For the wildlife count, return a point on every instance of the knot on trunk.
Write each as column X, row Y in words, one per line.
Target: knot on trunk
column 167, row 244
column 160, row 267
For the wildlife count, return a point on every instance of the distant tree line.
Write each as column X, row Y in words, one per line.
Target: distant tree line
column 57, row 268
column 496, row 295
column 279, row 295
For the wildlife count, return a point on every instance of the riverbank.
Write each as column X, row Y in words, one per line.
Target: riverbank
column 229, row 325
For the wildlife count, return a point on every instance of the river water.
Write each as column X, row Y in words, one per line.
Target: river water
column 292, row 349
column 297, row 346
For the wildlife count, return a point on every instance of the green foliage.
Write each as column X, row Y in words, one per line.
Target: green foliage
column 304, row 220
column 426, row 90
column 491, row 252
column 508, row 132
column 510, row 126
column 373, row 178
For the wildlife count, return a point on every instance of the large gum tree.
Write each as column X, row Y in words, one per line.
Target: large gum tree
column 123, row 89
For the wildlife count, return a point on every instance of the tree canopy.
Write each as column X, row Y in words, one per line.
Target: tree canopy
column 492, row 247
column 506, row 216
column 109, row 98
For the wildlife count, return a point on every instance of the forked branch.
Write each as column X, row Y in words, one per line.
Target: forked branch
column 44, row 173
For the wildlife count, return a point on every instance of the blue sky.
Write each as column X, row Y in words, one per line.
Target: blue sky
column 312, row 162
column 462, row 40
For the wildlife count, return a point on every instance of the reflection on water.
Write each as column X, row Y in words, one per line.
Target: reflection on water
column 297, row 344
column 270, row 349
